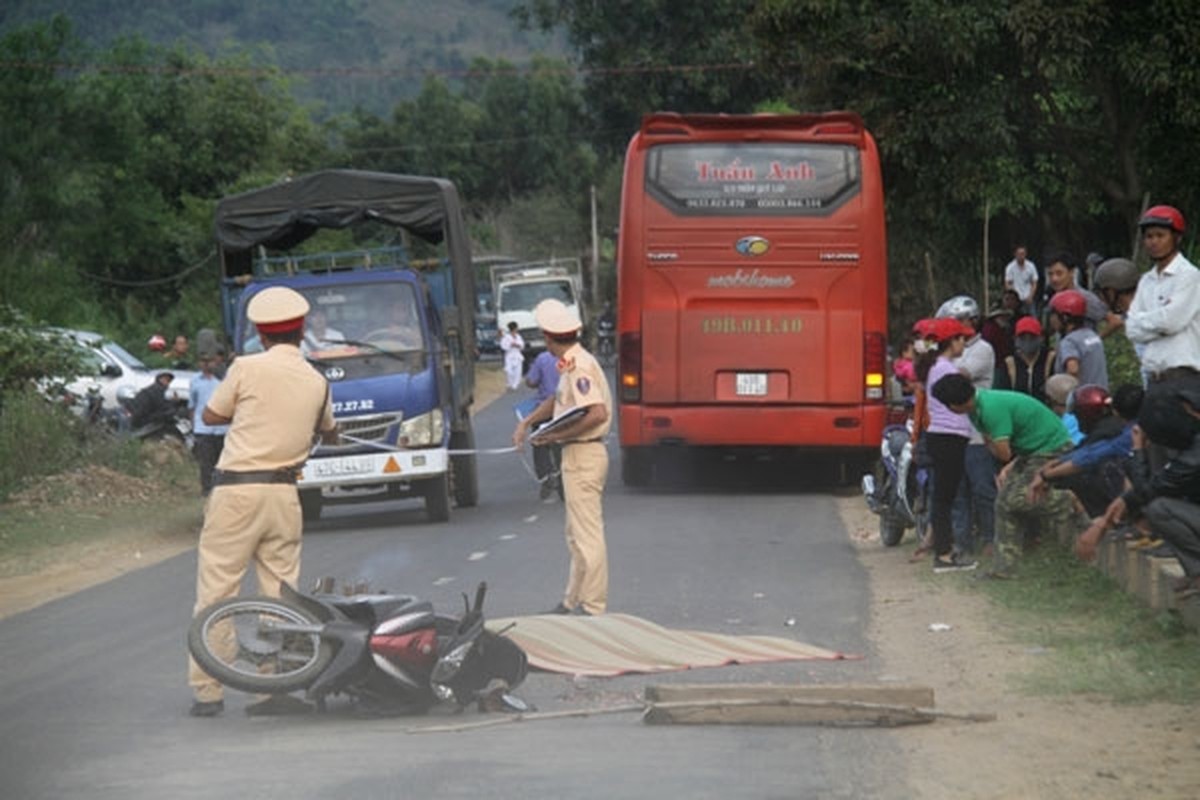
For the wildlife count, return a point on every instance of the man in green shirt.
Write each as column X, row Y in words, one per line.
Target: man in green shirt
column 1024, row 435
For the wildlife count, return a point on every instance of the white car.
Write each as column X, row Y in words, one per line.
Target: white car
column 115, row 373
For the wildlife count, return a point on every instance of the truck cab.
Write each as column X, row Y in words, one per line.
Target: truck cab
column 389, row 334
column 519, row 287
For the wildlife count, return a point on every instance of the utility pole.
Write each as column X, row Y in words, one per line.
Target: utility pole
column 987, row 218
column 595, row 253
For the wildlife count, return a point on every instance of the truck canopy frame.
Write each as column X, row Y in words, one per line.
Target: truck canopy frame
column 285, row 214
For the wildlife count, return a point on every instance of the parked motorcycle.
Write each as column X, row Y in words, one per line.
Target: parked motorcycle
column 390, row 653
column 899, row 490
column 174, row 421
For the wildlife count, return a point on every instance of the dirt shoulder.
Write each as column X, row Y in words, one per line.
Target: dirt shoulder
column 1039, row 747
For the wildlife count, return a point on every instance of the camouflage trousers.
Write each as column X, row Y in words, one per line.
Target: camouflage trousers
column 1054, row 515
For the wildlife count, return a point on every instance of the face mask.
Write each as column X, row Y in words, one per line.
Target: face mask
column 1028, row 346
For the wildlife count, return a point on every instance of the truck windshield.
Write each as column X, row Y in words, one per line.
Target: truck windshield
column 351, row 320
column 528, row 295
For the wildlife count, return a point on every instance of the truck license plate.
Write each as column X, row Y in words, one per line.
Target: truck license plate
column 752, row 384
column 331, row 467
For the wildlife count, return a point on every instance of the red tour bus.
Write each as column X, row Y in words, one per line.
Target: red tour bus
column 752, row 286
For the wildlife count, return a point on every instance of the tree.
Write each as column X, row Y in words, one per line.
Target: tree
column 640, row 56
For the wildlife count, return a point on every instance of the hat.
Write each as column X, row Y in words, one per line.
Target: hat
column 170, row 375
column 1060, row 386
column 923, row 328
column 553, row 317
column 277, row 309
column 1028, row 325
column 946, row 328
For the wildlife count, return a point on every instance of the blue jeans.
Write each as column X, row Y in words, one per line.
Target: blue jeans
column 976, row 500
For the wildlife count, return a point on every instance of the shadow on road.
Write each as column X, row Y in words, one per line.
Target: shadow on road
column 703, row 470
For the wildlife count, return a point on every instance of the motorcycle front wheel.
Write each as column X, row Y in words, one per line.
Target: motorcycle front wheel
column 891, row 528
column 244, row 644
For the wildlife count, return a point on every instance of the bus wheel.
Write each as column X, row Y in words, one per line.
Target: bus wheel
column 637, row 466
column 310, row 504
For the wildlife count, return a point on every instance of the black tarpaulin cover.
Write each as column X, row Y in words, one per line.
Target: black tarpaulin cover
column 285, row 214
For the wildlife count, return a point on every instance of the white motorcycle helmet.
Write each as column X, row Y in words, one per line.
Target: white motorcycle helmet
column 961, row 307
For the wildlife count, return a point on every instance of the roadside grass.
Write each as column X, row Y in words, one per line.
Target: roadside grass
column 66, row 487
column 39, row 438
column 34, row 538
column 1097, row 639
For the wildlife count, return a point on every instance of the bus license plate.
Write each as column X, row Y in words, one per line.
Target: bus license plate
column 751, row 384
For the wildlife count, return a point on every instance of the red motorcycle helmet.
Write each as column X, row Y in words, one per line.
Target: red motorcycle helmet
column 157, row 343
column 1069, row 303
column 1163, row 217
column 1089, row 403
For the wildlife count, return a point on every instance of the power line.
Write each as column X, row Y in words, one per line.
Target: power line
column 368, row 72
column 155, row 281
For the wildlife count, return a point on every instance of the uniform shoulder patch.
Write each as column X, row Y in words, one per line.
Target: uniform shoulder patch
column 583, row 384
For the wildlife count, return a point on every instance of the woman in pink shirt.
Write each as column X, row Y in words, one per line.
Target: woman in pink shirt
column 945, row 439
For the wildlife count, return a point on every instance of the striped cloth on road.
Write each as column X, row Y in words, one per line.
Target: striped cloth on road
column 617, row 644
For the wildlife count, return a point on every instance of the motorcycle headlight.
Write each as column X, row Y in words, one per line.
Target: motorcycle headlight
column 423, row 431
column 449, row 665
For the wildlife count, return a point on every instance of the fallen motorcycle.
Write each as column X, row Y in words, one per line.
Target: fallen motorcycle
column 389, row 653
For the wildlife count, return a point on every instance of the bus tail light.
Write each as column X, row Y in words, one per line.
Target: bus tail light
column 630, row 367
column 874, row 364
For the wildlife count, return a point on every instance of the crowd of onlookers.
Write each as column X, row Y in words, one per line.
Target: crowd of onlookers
column 1014, row 415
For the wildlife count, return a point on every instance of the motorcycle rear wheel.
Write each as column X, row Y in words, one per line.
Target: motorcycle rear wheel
column 265, row 660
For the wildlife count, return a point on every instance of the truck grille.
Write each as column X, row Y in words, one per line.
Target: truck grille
column 373, row 428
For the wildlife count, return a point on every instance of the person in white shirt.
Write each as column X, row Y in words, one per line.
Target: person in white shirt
column 1163, row 321
column 1164, row 317
column 1021, row 275
column 513, row 346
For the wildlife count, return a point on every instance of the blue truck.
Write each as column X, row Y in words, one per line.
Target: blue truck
column 391, row 327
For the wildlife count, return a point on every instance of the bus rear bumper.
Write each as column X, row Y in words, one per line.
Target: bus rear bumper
column 754, row 426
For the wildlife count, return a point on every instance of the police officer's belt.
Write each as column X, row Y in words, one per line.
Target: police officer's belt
column 222, row 477
column 585, row 441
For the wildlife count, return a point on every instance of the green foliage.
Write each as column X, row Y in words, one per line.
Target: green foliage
column 109, row 175
column 39, row 438
column 658, row 55
column 1057, row 118
column 1122, row 360
column 28, row 354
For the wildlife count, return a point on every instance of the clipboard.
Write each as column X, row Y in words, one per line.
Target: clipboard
column 558, row 422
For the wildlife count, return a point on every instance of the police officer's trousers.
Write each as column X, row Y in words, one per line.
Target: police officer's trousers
column 584, row 469
column 259, row 523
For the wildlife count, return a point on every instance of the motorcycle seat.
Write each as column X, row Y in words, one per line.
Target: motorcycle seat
column 378, row 607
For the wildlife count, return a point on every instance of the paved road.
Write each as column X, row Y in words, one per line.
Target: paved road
column 92, row 691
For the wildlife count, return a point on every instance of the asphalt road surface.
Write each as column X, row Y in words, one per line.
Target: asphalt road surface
column 93, row 695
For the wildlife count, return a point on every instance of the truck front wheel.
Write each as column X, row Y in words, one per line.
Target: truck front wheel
column 310, row 504
column 465, row 469
column 437, row 498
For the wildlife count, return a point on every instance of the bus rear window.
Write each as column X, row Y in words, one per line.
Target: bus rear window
column 752, row 178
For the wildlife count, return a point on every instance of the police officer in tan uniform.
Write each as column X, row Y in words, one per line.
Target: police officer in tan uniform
column 273, row 402
column 581, row 384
